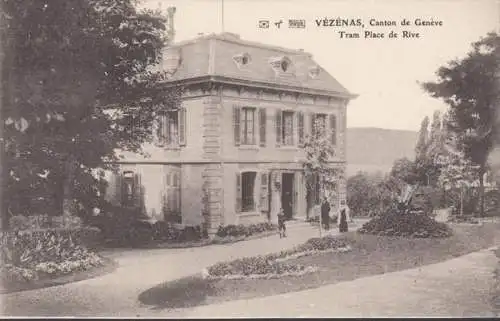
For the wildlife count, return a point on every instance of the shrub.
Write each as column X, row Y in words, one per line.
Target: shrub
column 18, row 223
column 406, row 225
column 463, row 219
column 190, row 233
column 244, row 230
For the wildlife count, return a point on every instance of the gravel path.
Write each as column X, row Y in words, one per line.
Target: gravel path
column 457, row 288
column 116, row 294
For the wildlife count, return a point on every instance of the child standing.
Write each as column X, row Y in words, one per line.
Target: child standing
column 281, row 223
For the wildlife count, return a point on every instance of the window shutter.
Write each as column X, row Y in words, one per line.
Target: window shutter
column 236, row 125
column 279, row 128
column 264, row 192
column 262, row 126
column 238, row 192
column 333, row 128
column 300, row 127
column 118, row 188
column 137, row 201
column 182, row 126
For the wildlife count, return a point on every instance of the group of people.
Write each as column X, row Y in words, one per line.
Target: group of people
column 342, row 218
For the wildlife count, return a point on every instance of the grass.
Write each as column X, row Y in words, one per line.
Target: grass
column 496, row 286
column 370, row 255
column 107, row 267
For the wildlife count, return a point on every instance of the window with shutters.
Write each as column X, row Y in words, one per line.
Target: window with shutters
column 300, row 128
column 318, row 120
column 248, row 191
column 128, row 188
column 287, row 128
column 247, row 126
column 279, row 128
column 262, row 127
column 264, row 192
column 172, row 128
column 172, row 197
column 333, row 129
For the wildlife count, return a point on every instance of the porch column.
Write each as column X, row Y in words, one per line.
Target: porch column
column 301, row 205
column 275, row 196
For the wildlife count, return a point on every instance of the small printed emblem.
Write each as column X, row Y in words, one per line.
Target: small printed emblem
column 278, row 23
column 264, row 24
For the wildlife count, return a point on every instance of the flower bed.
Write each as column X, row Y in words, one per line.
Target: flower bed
column 250, row 267
column 244, row 230
column 298, row 271
column 29, row 256
column 312, row 252
column 272, row 265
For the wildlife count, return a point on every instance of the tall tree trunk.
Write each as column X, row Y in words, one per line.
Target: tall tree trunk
column 68, row 204
column 481, row 191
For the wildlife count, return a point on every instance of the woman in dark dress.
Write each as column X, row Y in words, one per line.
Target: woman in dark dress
column 325, row 214
column 343, row 227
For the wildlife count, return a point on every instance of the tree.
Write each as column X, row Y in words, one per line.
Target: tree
column 319, row 150
column 458, row 174
column 404, row 170
column 78, row 85
column 369, row 194
column 359, row 187
column 423, row 139
column 469, row 87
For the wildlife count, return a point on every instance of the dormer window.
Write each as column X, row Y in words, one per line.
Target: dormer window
column 314, row 71
column 280, row 64
column 242, row 59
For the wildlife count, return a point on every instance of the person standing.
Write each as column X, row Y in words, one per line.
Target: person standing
column 343, row 226
column 281, row 223
column 325, row 214
column 347, row 214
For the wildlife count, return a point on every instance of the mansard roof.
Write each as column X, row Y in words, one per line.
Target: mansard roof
column 227, row 56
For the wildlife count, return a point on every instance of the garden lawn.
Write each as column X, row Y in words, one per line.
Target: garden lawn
column 370, row 255
column 496, row 286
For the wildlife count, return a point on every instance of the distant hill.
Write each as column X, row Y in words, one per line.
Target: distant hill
column 376, row 149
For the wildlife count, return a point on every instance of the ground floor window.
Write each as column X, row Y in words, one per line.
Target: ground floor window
column 171, row 202
column 128, row 188
column 247, row 191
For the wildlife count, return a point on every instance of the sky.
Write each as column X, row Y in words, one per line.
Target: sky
column 383, row 72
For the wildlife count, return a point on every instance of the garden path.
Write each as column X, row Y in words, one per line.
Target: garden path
column 116, row 294
column 458, row 287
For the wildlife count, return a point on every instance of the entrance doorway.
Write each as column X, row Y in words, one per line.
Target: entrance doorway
column 287, row 192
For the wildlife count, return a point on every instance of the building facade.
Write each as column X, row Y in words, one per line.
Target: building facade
column 232, row 153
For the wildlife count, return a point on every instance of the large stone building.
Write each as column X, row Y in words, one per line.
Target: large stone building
column 232, row 154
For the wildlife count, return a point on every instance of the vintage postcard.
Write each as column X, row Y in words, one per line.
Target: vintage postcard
column 230, row 158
